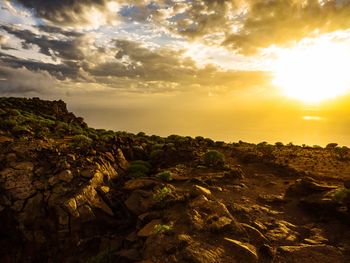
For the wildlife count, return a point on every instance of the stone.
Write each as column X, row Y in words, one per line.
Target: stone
column 139, row 202
column 254, row 234
column 219, row 224
column 148, row 229
column 307, row 186
column 65, row 176
column 85, row 212
column 197, row 252
column 243, row 251
column 310, row 253
column 71, row 206
column 87, row 173
column 94, row 200
column 234, row 173
column 347, row 184
column 199, row 190
column 27, row 166
column 139, row 183
column 130, row 254
column 282, row 231
column 17, row 183
column 121, row 161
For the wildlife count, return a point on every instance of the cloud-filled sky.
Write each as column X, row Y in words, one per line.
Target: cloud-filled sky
column 193, row 62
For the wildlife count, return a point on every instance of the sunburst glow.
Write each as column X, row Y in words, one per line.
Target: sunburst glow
column 313, row 72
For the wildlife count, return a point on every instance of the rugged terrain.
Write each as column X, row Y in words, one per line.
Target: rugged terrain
column 70, row 193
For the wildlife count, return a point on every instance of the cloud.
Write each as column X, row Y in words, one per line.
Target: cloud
column 22, row 81
column 83, row 14
column 4, row 43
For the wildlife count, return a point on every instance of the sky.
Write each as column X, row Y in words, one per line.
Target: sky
column 251, row 70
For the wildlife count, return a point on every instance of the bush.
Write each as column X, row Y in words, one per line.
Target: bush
column 214, row 159
column 340, row 194
column 81, row 141
column 162, row 228
column 138, row 169
column 331, row 145
column 156, row 155
column 8, row 124
column 165, row 175
column 162, row 193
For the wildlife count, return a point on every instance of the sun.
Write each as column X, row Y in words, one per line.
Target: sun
column 313, row 72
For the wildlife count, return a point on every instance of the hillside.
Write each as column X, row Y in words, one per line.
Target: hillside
column 70, row 193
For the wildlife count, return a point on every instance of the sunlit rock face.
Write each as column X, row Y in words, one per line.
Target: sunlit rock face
column 71, row 193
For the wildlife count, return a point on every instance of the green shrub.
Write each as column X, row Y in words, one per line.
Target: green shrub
column 162, row 228
column 162, row 193
column 138, row 169
column 165, row 176
column 340, row 194
column 214, row 159
column 81, row 141
column 156, row 155
column 157, row 146
column 8, row 124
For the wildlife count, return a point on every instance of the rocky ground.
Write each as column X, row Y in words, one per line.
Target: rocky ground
column 70, row 193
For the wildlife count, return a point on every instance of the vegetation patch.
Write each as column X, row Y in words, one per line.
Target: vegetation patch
column 162, row 193
column 214, row 159
column 138, row 168
column 165, row 176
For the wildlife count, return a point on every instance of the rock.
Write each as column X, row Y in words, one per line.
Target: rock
column 94, row 200
column 255, row 236
column 71, row 206
column 85, row 212
column 266, row 253
column 199, row 253
column 17, row 183
column 243, row 251
column 88, row 173
column 121, row 161
column 307, row 186
column 139, row 183
column 219, row 224
column 139, row 202
column 282, row 231
column 347, row 184
column 199, row 190
column 272, row 199
column 234, row 173
column 320, row 204
column 310, row 254
column 11, row 157
column 26, row 166
column 316, row 237
column 65, row 176
column 148, row 229
column 129, row 254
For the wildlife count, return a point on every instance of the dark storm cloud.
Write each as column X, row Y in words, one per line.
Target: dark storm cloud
column 65, row 12
column 60, row 71
column 66, row 49
column 138, row 61
column 22, row 81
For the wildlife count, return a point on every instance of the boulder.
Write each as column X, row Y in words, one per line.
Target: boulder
column 148, row 229
column 243, row 251
column 140, row 183
column 307, row 186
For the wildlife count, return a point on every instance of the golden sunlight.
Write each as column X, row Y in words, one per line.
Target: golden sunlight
column 313, row 71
